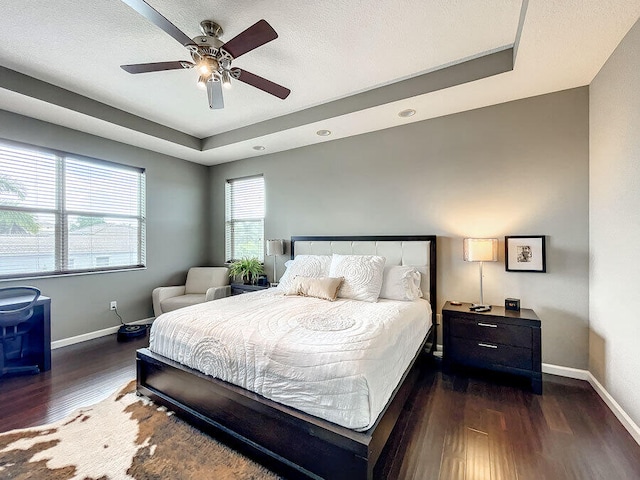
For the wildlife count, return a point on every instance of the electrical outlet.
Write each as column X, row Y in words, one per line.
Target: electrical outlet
column 113, row 305
column 438, row 319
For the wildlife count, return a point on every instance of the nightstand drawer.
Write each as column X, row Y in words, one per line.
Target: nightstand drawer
column 490, row 331
column 485, row 354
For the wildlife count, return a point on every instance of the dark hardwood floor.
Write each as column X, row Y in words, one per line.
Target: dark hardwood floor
column 80, row 375
column 470, row 427
column 455, row 426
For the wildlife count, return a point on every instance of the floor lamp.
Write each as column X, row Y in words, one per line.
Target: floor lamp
column 275, row 248
column 480, row 250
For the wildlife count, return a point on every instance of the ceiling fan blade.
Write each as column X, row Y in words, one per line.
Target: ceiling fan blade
column 214, row 93
column 156, row 67
column 151, row 14
column 256, row 35
column 261, row 83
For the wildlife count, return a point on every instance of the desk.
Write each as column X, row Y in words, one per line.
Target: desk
column 38, row 346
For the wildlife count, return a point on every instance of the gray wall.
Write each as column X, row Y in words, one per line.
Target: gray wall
column 177, row 231
column 519, row 168
column 615, row 225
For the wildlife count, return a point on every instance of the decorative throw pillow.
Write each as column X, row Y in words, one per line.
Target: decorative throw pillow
column 362, row 276
column 305, row 266
column 325, row 288
column 401, row 283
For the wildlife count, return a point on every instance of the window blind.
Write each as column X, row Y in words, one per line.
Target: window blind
column 244, row 226
column 65, row 214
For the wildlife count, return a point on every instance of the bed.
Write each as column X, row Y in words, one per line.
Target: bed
column 293, row 438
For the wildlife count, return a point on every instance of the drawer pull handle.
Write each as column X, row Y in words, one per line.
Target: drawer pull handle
column 486, row 345
column 480, row 324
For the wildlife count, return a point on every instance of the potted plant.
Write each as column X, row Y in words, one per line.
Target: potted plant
column 248, row 269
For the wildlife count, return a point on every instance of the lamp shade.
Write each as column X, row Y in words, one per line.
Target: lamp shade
column 275, row 247
column 480, row 249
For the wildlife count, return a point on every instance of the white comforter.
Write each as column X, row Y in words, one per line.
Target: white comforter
column 336, row 360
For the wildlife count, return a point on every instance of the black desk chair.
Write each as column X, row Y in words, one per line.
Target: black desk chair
column 14, row 327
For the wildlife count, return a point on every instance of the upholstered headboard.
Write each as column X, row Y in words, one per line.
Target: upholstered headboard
column 414, row 250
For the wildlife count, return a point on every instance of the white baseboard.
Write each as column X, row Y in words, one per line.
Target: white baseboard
column 615, row 407
column 565, row 371
column 91, row 335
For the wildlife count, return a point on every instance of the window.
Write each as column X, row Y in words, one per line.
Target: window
column 62, row 213
column 244, row 232
column 102, row 261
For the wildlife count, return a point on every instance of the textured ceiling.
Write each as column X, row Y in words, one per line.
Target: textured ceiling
column 326, row 52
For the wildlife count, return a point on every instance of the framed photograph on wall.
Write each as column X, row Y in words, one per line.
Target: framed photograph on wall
column 525, row 253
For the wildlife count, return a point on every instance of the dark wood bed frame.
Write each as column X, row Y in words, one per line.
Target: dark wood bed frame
column 284, row 439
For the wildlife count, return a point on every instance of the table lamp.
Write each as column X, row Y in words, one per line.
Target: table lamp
column 480, row 250
column 275, row 248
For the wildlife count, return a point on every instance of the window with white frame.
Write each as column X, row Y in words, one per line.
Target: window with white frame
column 244, row 225
column 62, row 213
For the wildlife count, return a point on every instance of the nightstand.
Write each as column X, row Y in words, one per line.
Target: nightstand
column 499, row 340
column 240, row 288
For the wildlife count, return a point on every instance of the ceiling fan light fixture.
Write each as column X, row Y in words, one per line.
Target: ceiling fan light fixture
column 226, row 79
column 203, row 68
column 207, row 65
column 202, row 81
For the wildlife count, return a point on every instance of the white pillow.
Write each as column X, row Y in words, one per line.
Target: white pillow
column 401, row 283
column 304, row 266
column 362, row 275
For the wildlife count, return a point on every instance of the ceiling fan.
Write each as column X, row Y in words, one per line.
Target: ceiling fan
column 211, row 57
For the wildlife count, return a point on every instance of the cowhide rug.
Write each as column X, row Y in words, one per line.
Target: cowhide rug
column 123, row 437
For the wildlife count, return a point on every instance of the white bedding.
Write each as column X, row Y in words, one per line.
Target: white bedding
column 336, row 360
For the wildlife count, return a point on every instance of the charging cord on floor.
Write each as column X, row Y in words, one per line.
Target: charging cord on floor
column 115, row 310
column 130, row 331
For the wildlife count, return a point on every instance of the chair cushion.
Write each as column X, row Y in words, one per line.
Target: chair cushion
column 174, row 303
column 199, row 279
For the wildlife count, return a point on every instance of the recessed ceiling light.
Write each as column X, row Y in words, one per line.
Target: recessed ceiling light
column 409, row 112
column 258, row 147
column 323, row 133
